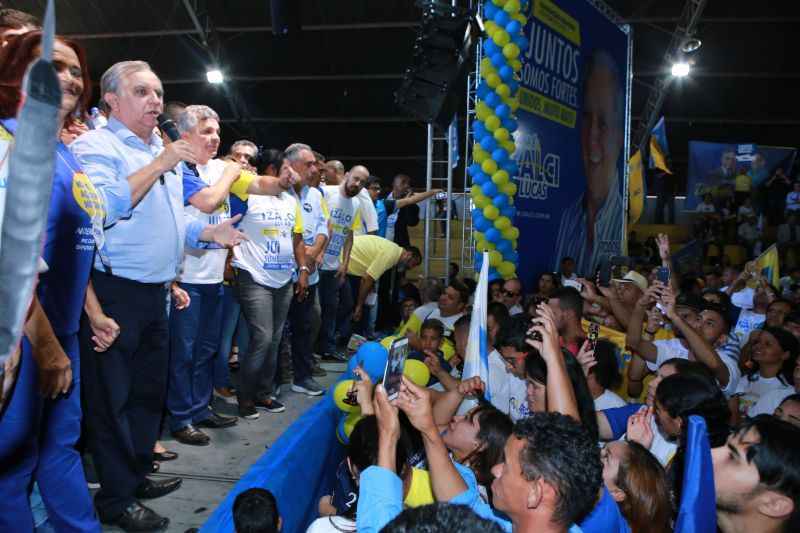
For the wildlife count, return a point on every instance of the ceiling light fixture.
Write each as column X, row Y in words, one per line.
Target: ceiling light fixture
column 680, row 69
column 691, row 44
column 215, row 76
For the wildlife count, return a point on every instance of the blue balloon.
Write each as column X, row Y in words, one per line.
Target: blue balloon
column 510, row 124
column 498, row 59
column 475, row 214
column 504, row 247
column 520, row 40
column 490, row 48
column 500, row 201
column 493, row 235
column 483, row 90
column 502, row 111
column 478, row 259
column 494, row 274
column 489, row 143
column 478, row 129
column 490, row 10
column 513, row 27
column 481, row 223
column 513, row 85
column 512, row 256
column 474, row 168
column 492, row 99
column 500, row 155
column 372, row 358
column 509, row 211
column 511, row 167
column 489, row 189
column 506, row 73
column 480, row 178
column 501, row 18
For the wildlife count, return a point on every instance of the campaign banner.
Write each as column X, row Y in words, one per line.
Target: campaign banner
column 571, row 146
column 717, row 168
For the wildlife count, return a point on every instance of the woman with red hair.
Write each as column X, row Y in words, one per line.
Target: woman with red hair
column 43, row 419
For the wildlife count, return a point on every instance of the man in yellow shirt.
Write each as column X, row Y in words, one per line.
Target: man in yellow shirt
column 370, row 257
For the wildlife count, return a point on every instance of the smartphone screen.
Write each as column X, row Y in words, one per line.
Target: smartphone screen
column 663, row 275
column 393, row 373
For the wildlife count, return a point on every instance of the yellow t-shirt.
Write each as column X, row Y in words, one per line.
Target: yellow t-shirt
column 419, row 491
column 372, row 255
column 242, row 183
column 743, row 183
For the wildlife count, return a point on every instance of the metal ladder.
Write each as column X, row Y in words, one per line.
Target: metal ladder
column 437, row 222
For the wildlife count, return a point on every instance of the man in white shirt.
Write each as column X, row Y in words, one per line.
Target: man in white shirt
column 507, row 392
column 512, row 296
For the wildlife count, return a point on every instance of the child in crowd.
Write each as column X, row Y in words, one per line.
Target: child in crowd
column 256, row 511
column 431, row 335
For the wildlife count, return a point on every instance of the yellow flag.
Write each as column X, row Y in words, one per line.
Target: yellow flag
column 635, row 188
column 767, row 264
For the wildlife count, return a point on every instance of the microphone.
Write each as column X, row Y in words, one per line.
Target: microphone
column 170, row 129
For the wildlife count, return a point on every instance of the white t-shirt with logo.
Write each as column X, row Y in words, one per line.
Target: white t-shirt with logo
column 508, row 392
column 345, row 214
column 369, row 215
column 270, row 224
column 748, row 321
column 206, row 265
column 315, row 219
column 729, row 354
column 750, row 392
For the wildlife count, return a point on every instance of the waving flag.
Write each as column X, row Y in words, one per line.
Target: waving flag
column 476, row 360
column 698, row 508
column 768, row 264
column 659, row 149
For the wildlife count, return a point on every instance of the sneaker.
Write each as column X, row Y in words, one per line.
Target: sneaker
column 317, row 371
column 248, row 411
column 226, row 394
column 271, row 405
column 308, row 386
column 335, row 356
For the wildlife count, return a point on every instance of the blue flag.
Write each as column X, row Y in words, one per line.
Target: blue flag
column 698, row 508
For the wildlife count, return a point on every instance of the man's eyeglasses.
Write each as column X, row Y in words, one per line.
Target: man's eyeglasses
column 510, row 294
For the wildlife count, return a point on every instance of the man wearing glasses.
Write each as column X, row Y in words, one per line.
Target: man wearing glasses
column 512, row 296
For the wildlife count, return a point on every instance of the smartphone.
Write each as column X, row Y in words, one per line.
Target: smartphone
column 604, row 273
column 594, row 334
column 441, row 195
column 574, row 284
column 393, row 373
column 663, row 275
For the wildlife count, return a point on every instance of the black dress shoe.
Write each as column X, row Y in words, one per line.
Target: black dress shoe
column 218, row 421
column 137, row 517
column 192, row 436
column 166, row 455
column 151, row 489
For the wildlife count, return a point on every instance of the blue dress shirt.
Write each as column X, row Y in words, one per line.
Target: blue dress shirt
column 142, row 243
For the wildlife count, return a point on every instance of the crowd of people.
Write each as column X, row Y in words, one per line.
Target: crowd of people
column 161, row 257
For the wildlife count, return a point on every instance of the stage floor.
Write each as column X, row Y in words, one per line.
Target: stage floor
column 209, row 472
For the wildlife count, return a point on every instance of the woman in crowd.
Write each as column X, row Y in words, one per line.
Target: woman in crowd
column 40, row 431
column 773, row 357
column 547, row 284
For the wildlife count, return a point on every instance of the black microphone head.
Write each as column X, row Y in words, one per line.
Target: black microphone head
column 168, row 126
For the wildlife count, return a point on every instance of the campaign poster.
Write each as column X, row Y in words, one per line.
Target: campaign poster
column 572, row 137
column 716, row 168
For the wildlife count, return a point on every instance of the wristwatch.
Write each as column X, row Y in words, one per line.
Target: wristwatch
column 302, row 268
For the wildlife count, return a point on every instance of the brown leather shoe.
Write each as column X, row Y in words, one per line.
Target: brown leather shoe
column 192, row 436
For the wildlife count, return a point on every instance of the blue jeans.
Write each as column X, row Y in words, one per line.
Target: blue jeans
column 193, row 339
column 37, row 443
column 329, row 303
column 233, row 325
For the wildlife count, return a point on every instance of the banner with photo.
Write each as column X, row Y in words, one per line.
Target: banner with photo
column 571, row 143
column 720, row 169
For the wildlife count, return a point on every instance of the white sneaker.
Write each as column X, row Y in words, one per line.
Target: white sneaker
column 309, row 387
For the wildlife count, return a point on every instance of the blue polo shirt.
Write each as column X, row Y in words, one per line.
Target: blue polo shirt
column 69, row 245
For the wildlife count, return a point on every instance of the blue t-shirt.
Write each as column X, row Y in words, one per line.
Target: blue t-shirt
column 380, row 208
column 605, row 517
column 69, row 244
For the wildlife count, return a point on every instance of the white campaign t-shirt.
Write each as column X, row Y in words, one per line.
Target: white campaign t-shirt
column 750, row 392
column 671, row 348
column 369, row 215
column 767, row 403
column 508, row 392
column 345, row 216
column 748, row 321
column 270, row 224
column 331, row 524
column 206, row 265
column 607, row 400
column 315, row 219
column 667, row 349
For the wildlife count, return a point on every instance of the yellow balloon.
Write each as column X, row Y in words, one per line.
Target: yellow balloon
column 502, row 223
column 492, row 79
column 501, row 134
column 516, row 65
column 509, row 146
column 513, row 103
column 506, row 268
column 501, row 38
column 481, row 113
column 514, row 243
column 492, row 122
column 495, row 258
column 511, row 51
column 514, row 233
column 503, row 90
column 481, row 201
column 486, row 62
column 417, row 372
column 339, row 394
column 519, row 17
column 500, row 3
column 500, row 178
column 510, row 188
column 506, row 233
column 479, row 236
column 489, row 166
column 350, row 422
column 512, row 7
column 491, row 212
column 479, row 154
column 488, row 246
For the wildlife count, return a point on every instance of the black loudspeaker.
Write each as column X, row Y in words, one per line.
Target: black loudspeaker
column 443, row 54
column 285, row 15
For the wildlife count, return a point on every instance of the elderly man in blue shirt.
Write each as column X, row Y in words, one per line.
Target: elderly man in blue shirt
column 139, row 252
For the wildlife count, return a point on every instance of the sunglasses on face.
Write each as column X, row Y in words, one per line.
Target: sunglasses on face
column 510, row 294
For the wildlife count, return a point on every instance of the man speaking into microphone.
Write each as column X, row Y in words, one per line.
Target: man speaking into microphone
column 139, row 253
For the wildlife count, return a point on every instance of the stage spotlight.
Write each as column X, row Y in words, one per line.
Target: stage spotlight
column 692, row 44
column 215, row 76
column 680, row 69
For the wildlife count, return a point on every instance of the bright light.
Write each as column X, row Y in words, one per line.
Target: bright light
column 680, row 69
column 215, row 76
